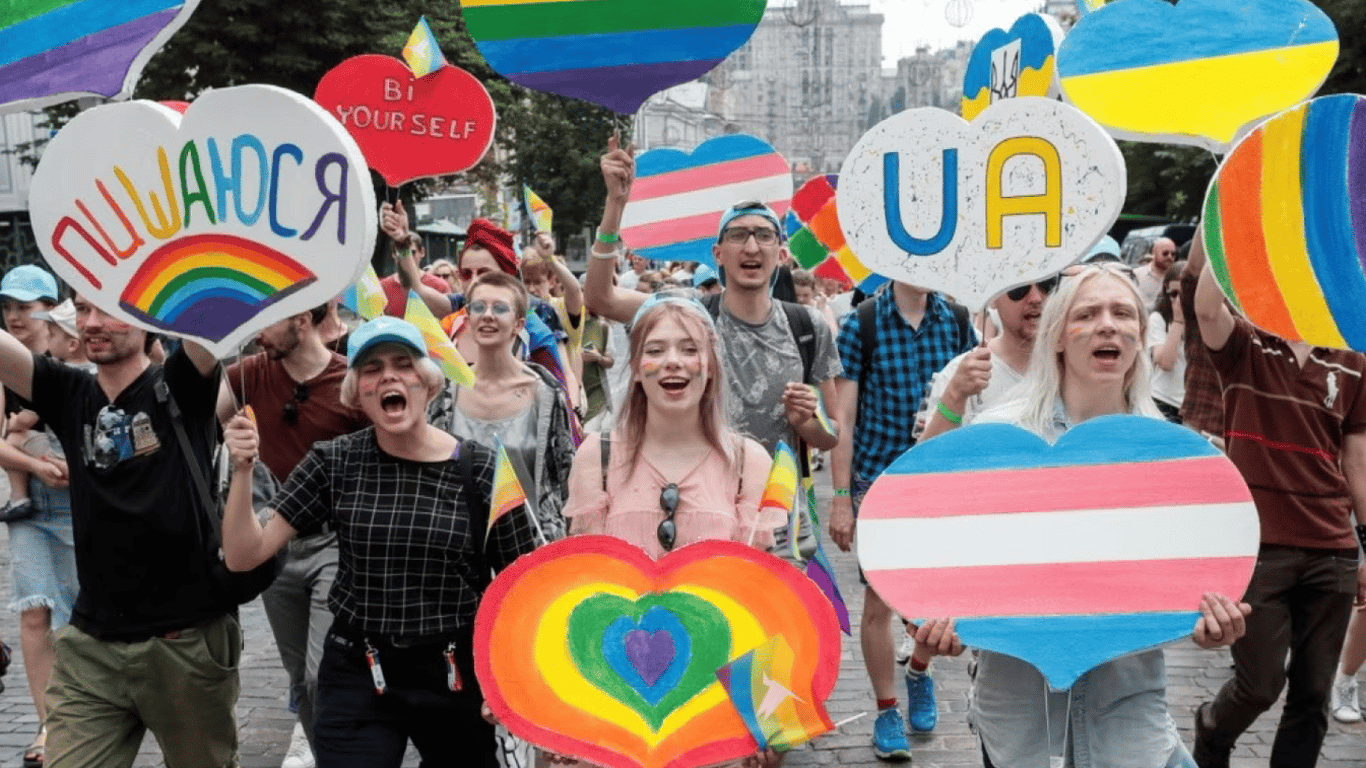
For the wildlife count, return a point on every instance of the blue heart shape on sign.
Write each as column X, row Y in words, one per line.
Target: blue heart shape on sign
column 650, row 655
column 1066, row 555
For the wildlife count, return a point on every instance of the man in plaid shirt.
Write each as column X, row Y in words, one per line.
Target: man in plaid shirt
column 916, row 333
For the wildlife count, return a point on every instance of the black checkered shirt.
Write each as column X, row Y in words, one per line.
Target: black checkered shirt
column 413, row 561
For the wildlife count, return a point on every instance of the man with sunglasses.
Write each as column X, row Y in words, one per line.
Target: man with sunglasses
column 294, row 387
column 890, row 347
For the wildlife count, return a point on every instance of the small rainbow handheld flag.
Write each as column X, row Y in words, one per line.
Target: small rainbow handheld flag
column 422, row 52
column 540, row 213
column 439, row 346
column 779, row 712
column 819, row 570
column 781, row 490
column 507, row 491
column 365, row 297
column 821, row 415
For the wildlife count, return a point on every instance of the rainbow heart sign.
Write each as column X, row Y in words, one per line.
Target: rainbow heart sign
column 1285, row 224
column 677, row 198
column 55, row 50
column 410, row 127
column 1228, row 63
column 817, row 244
column 1004, row 65
column 615, row 53
column 588, row 648
column 1065, row 556
column 974, row 209
column 251, row 206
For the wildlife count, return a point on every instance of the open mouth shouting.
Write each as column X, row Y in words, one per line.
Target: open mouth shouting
column 393, row 401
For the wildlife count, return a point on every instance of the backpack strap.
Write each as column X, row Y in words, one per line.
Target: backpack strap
column 867, row 334
column 201, row 484
column 963, row 320
column 804, row 333
column 605, row 451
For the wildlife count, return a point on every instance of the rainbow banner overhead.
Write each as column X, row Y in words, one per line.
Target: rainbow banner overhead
column 761, row 686
column 1285, row 223
column 616, row 53
column 210, row 284
column 422, row 51
column 541, row 215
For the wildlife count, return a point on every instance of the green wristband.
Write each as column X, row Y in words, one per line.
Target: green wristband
column 947, row 413
column 607, row 238
column 841, row 491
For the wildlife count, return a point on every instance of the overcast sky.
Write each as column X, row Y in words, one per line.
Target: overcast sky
column 910, row 23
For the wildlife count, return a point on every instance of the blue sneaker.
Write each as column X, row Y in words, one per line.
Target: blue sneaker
column 921, row 708
column 889, row 736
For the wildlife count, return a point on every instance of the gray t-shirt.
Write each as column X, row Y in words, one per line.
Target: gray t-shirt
column 760, row 360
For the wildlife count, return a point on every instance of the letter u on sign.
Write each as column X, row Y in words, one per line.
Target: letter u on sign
column 948, row 221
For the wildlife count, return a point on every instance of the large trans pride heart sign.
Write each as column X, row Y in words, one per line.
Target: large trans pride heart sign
column 55, row 50
column 1064, row 556
column 588, row 648
column 251, row 206
column 974, row 209
column 616, row 53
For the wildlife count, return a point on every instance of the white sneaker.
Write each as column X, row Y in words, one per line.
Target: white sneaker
column 905, row 649
column 299, row 755
column 1343, row 702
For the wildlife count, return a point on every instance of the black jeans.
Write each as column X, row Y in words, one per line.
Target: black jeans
column 357, row 728
column 1301, row 601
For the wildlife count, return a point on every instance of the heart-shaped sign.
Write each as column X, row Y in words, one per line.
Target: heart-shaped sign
column 677, row 198
column 409, row 127
column 251, row 206
column 1005, row 65
column 1285, row 223
column 588, row 648
column 54, row 51
column 974, row 209
column 615, row 53
column 1065, row 556
column 818, row 244
column 1228, row 63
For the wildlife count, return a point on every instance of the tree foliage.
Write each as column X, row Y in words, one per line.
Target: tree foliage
column 549, row 142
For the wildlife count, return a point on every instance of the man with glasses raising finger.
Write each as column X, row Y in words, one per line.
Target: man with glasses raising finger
column 294, row 387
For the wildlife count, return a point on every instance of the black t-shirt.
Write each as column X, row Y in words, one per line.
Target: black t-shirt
column 141, row 541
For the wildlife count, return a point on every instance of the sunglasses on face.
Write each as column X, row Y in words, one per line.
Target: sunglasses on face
column 499, row 308
column 290, row 411
column 1046, row 287
column 741, row 235
column 667, row 532
column 467, row 274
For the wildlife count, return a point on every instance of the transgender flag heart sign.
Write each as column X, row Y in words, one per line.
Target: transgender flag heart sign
column 1066, row 556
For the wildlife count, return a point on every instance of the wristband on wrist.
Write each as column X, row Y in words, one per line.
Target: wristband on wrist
column 947, row 413
column 841, row 491
column 608, row 238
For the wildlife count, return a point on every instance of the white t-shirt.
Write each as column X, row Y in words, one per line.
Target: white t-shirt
column 1149, row 286
column 1003, row 379
column 1168, row 386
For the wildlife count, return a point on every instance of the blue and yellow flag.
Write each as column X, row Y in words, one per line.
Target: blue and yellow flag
column 366, row 296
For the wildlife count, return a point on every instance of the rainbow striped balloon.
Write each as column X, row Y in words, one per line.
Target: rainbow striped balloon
column 1285, row 223
column 616, row 53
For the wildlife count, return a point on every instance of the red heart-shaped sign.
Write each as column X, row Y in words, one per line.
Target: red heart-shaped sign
column 409, row 127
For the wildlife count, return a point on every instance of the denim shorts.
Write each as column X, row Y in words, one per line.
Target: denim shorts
column 43, row 555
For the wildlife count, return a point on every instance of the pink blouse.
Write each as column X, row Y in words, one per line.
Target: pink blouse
column 711, row 504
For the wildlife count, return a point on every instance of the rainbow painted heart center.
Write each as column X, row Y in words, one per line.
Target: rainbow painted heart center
column 653, row 654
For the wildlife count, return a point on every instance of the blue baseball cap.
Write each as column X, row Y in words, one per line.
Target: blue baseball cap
column 750, row 208
column 703, row 275
column 380, row 330
column 29, row 283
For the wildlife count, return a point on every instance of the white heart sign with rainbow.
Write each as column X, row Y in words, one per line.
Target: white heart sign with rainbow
column 252, row 206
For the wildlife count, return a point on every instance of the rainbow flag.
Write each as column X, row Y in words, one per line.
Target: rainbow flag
column 821, row 416
column 439, row 346
column 781, row 490
column 779, row 712
column 365, row 297
column 540, row 213
column 422, row 51
column 507, row 491
column 819, row 570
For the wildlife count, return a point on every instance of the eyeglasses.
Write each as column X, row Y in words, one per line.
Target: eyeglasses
column 1046, row 287
column 499, row 308
column 290, row 411
column 741, row 235
column 467, row 274
column 667, row 532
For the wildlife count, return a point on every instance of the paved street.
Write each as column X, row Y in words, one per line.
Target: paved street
column 265, row 724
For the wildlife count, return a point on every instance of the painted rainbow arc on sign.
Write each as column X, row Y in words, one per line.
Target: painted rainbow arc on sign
column 1285, row 223
column 616, row 53
column 1103, row 536
column 208, row 285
